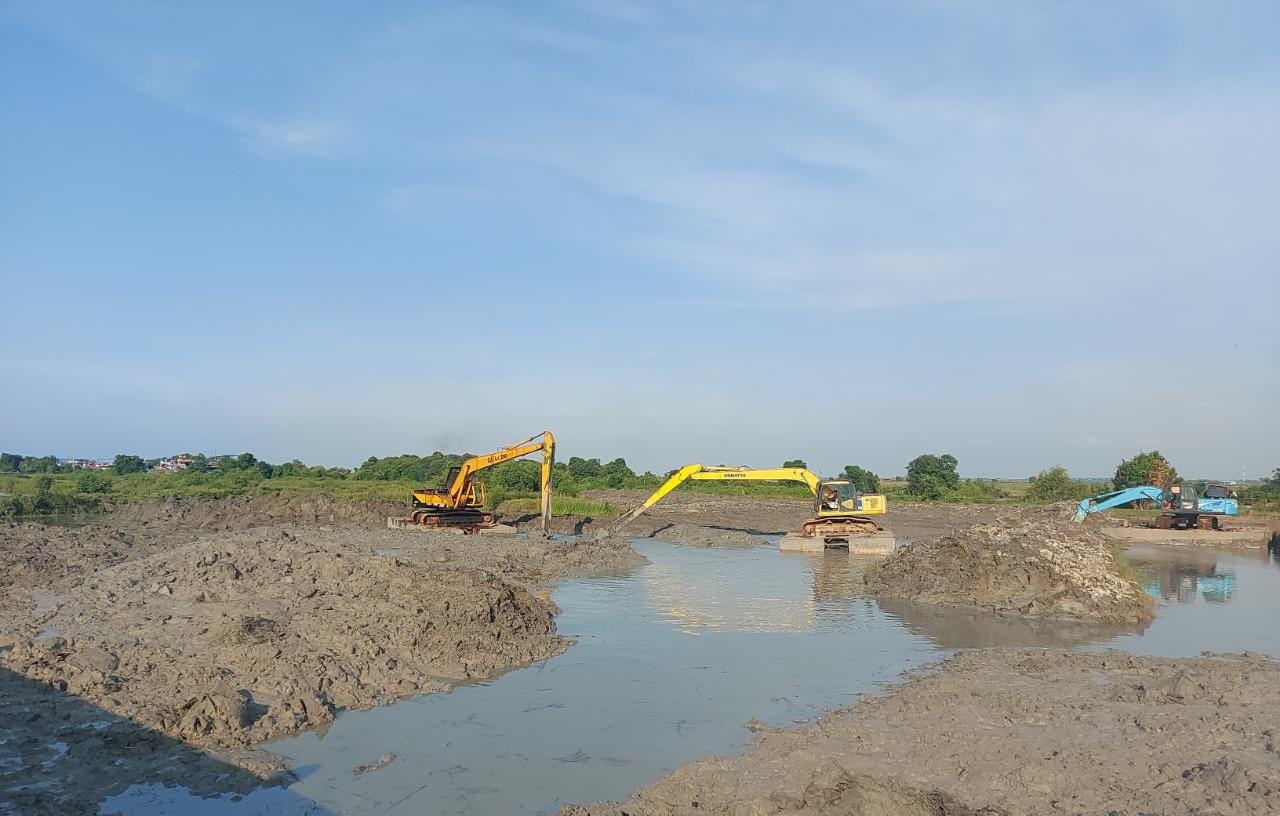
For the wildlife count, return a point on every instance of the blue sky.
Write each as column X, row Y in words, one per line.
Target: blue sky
column 672, row 232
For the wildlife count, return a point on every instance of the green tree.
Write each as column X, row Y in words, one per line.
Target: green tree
column 616, row 473
column 10, row 463
column 1056, row 484
column 126, row 463
column 929, row 476
column 1145, row 469
column 795, row 463
column 199, row 463
column 44, row 500
column 927, row 486
column 864, row 480
column 90, row 481
column 39, row 464
column 583, row 470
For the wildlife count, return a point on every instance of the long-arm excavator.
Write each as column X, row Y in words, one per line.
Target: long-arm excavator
column 839, row 510
column 460, row 503
column 1180, row 507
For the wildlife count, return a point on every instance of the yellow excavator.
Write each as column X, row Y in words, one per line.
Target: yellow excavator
column 460, row 503
column 840, row 512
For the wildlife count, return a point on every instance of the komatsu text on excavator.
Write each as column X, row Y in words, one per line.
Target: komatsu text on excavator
column 840, row 512
column 460, row 503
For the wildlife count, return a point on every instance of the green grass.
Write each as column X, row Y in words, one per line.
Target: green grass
column 1124, row 567
column 560, row 506
column 64, row 495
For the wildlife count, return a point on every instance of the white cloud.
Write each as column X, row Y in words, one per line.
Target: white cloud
column 311, row 138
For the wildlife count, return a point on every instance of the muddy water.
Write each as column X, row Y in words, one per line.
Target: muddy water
column 671, row 662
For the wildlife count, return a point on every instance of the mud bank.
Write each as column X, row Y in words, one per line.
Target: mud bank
column 1035, row 566
column 60, row 754
column 1237, row 538
column 1038, row 733
column 247, row 512
column 776, row 517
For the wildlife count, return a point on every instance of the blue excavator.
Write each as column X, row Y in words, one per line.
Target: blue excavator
column 1180, row 507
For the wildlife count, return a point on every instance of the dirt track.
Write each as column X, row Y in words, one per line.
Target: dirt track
column 1012, row 732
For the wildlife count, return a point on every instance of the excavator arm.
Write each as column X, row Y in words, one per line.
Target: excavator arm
column 715, row 474
column 459, row 486
column 1116, row 498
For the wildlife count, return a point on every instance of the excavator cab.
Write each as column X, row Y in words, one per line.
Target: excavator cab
column 473, row 494
column 839, row 497
column 1181, row 499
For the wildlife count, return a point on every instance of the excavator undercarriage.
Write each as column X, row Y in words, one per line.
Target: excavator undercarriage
column 837, row 531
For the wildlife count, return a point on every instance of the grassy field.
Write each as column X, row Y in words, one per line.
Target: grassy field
column 61, row 493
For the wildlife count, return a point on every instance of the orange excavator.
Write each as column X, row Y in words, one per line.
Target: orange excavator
column 460, row 503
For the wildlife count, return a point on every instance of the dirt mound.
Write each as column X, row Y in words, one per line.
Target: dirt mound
column 1037, row 566
column 234, row 642
column 246, row 512
column 1038, row 732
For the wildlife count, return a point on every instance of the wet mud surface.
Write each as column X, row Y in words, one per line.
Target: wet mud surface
column 1012, row 732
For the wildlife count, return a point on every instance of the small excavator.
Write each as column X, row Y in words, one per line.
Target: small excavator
column 1180, row 507
column 460, row 503
column 840, row 512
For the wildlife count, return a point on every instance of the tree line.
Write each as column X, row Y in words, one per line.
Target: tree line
column 929, row 477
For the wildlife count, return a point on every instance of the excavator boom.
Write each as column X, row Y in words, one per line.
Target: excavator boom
column 703, row 473
column 835, row 522
column 458, row 502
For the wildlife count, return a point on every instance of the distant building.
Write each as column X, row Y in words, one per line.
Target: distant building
column 84, row 464
column 173, row 465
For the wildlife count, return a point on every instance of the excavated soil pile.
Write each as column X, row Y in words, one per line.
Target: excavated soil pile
column 1012, row 732
column 1039, row 567
column 246, row 512
column 231, row 642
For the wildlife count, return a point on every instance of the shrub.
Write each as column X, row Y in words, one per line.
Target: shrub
column 930, row 476
column 1055, row 484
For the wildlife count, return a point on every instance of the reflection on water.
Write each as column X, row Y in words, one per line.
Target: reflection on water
column 671, row 660
column 1192, row 574
column 704, row 589
column 950, row 628
column 1207, row 600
